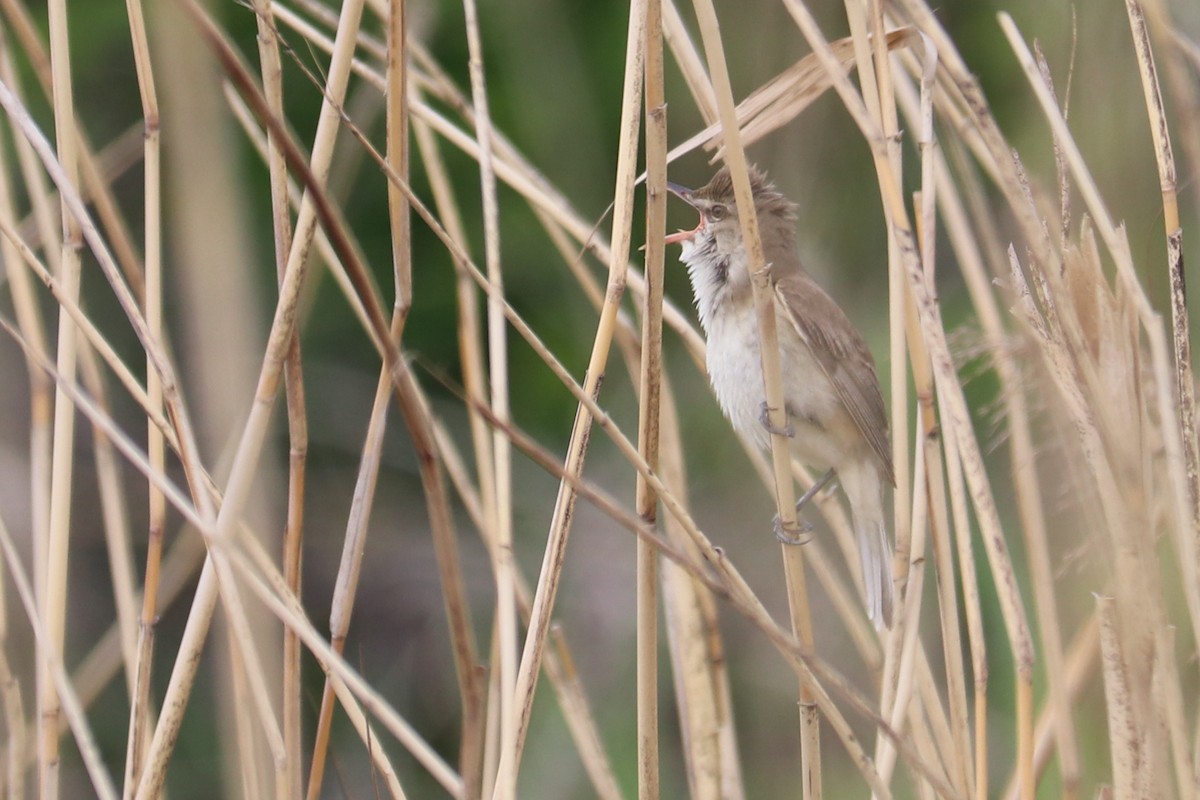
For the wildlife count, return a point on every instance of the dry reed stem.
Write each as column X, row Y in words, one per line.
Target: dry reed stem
column 870, row 57
column 967, row 251
column 501, row 450
column 1137, row 579
column 206, row 592
column 115, row 516
column 14, row 720
column 956, row 418
column 810, row 753
column 734, row 588
column 90, row 234
column 1175, row 50
column 1081, row 661
column 399, row 216
column 697, row 651
column 740, row 593
column 1060, row 329
column 267, row 584
column 878, row 96
column 52, row 595
column 242, row 471
column 559, row 664
column 29, row 318
column 702, row 688
column 594, row 410
column 366, row 732
column 94, row 185
column 776, row 102
column 96, row 340
column 40, row 434
column 246, row 755
column 395, row 179
column 650, row 402
column 1185, row 383
column 1169, row 698
column 1028, row 494
column 68, row 702
column 272, row 82
column 958, row 755
column 512, row 168
column 471, row 354
column 901, row 659
column 1126, row 742
column 140, row 712
column 688, row 59
column 919, row 113
column 1033, row 528
column 564, row 505
column 321, row 242
column 345, row 587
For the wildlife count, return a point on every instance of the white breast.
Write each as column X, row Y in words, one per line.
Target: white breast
column 735, row 369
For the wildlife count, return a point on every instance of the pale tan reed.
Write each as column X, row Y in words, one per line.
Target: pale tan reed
column 1059, row 302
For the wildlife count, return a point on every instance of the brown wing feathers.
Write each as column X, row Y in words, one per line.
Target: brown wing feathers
column 845, row 359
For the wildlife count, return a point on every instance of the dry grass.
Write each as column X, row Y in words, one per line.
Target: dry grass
column 1021, row 670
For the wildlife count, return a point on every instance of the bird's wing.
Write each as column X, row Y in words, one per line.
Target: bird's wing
column 842, row 354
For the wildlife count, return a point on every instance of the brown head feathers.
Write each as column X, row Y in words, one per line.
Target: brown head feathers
column 766, row 197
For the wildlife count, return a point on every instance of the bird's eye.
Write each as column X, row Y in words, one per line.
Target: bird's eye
column 718, row 212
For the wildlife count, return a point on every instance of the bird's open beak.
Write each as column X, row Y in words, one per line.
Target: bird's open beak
column 684, row 194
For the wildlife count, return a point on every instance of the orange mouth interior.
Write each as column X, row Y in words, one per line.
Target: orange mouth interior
column 683, row 236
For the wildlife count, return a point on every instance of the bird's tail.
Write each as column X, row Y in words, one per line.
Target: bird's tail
column 864, row 490
column 875, row 558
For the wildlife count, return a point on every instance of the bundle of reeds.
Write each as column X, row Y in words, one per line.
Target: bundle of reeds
column 1050, row 651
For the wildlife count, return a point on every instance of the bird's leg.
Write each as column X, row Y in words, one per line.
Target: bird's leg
column 764, row 416
column 803, row 526
column 817, row 486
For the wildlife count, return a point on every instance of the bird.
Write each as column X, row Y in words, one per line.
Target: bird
column 835, row 413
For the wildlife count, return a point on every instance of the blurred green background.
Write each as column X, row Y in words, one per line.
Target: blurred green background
column 554, row 72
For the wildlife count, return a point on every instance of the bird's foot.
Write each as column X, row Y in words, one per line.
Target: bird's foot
column 797, row 533
column 764, row 416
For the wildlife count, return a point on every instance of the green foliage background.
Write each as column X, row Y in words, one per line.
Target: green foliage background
column 554, row 71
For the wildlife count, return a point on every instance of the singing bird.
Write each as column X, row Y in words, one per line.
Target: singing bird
column 835, row 414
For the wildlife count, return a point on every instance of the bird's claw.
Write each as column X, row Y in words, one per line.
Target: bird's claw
column 797, row 533
column 764, row 416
